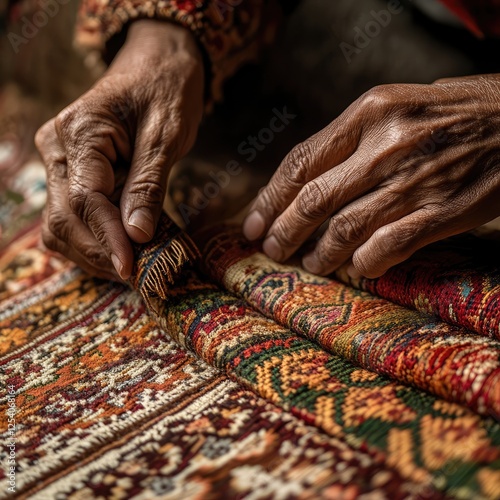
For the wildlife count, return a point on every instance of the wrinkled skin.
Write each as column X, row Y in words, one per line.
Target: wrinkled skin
column 404, row 166
column 144, row 112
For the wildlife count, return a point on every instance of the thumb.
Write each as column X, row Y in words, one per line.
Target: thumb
column 145, row 188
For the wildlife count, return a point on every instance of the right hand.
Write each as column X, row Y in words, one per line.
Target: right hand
column 144, row 112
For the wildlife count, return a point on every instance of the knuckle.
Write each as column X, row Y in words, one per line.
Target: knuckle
column 57, row 224
column 78, row 199
column 174, row 130
column 363, row 266
column 346, row 229
column 44, row 134
column 394, row 241
column 387, row 239
column 298, row 163
column 155, row 156
column 76, row 121
column 151, row 192
column 49, row 240
column 379, row 98
column 86, row 207
column 313, row 200
column 66, row 119
column 99, row 232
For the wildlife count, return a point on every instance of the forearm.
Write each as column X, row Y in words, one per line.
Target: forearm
column 154, row 43
column 228, row 33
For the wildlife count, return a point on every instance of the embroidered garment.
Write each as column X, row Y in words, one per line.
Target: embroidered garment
column 233, row 32
column 230, row 32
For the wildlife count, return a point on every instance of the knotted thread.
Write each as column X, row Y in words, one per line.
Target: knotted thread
column 159, row 262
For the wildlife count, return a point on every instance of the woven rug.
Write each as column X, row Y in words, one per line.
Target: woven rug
column 457, row 280
column 243, row 378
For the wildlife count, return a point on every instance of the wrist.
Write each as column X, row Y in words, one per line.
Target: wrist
column 155, row 43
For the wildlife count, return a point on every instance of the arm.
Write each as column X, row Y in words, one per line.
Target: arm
column 229, row 33
column 144, row 112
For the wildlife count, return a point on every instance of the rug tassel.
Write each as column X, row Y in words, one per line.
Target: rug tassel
column 159, row 263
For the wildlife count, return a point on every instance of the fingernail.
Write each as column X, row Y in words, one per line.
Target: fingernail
column 353, row 273
column 311, row 264
column 254, row 225
column 272, row 248
column 142, row 219
column 117, row 264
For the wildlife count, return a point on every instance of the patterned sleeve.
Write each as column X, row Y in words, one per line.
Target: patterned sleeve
column 231, row 32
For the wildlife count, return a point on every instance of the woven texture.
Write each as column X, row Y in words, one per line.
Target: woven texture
column 410, row 347
column 457, row 280
column 241, row 377
column 299, row 341
column 109, row 405
column 423, row 437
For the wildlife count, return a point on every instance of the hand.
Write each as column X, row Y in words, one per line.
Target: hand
column 402, row 167
column 144, row 112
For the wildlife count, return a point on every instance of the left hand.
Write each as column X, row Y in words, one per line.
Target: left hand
column 402, row 167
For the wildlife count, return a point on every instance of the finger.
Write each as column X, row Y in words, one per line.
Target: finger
column 145, row 188
column 104, row 220
column 91, row 183
column 62, row 230
column 323, row 151
column 455, row 213
column 69, row 235
column 319, row 199
column 396, row 242
column 55, row 244
column 353, row 226
column 90, row 152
